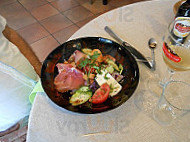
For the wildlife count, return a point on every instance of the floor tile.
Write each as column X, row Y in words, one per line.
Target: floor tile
column 82, row 23
column 5, row 2
column 77, row 14
column 33, row 33
column 17, row 17
column 56, row 23
column 30, row 4
column 65, row 34
column 43, row 47
column 43, row 12
column 98, row 7
column 63, row 5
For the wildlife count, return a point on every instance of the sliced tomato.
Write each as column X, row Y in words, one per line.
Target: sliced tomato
column 101, row 95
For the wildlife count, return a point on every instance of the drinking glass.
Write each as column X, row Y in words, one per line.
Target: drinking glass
column 176, row 48
column 173, row 103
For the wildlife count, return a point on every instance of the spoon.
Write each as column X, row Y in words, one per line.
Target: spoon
column 152, row 45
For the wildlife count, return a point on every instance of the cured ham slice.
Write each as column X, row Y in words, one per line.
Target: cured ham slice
column 63, row 67
column 69, row 78
column 76, row 56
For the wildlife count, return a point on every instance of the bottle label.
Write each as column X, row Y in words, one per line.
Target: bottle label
column 182, row 26
column 170, row 54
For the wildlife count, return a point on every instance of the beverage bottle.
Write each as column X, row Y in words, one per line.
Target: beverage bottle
column 178, row 36
column 181, row 27
column 184, row 10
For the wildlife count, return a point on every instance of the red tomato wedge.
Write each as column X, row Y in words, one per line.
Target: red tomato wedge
column 101, row 95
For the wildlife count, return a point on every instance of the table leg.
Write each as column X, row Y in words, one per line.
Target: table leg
column 105, row 2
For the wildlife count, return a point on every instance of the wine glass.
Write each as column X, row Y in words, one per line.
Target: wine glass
column 175, row 52
column 173, row 103
column 176, row 48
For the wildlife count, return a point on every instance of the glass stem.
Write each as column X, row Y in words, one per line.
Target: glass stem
column 168, row 77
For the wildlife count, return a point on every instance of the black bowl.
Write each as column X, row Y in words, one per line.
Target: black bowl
column 63, row 52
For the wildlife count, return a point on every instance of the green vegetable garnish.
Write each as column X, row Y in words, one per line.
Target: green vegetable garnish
column 120, row 68
column 95, row 55
column 81, row 96
column 105, row 77
column 90, row 62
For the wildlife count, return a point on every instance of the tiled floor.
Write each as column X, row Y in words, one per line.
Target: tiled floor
column 45, row 24
column 52, row 21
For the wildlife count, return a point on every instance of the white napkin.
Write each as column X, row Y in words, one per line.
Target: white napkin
column 14, row 91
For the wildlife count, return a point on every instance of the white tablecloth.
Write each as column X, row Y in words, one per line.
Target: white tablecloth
column 135, row 23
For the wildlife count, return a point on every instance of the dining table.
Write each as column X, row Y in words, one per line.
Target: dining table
column 130, row 122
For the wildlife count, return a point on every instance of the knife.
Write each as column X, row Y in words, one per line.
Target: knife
column 127, row 46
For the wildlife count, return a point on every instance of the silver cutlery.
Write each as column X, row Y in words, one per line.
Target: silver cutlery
column 127, row 46
column 152, row 45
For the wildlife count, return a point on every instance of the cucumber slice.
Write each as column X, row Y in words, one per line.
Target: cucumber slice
column 112, row 63
column 81, row 96
column 83, row 89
